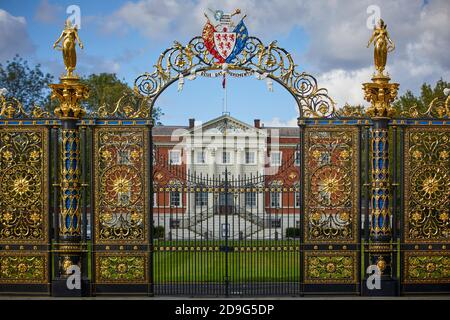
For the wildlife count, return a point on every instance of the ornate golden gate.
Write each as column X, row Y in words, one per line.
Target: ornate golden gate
column 426, row 201
column 24, row 203
column 372, row 188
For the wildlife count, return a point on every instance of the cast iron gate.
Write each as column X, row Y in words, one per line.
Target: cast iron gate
column 94, row 194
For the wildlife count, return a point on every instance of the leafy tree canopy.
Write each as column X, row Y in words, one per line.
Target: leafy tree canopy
column 421, row 102
column 106, row 89
column 28, row 85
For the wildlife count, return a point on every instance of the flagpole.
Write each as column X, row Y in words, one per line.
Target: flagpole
column 225, row 95
column 226, row 106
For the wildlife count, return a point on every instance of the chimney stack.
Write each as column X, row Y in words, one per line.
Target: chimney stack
column 257, row 123
column 191, row 123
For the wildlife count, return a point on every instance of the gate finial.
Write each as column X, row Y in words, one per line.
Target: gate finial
column 382, row 45
column 380, row 93
column 69, row 38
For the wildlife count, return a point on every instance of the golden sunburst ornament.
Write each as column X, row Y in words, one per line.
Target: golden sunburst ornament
column 344, row 154
column 430, row 185
column 21, row 185
column 35, row 217
column 106, row 154
column 443, row 216
column 121, row 185
column 416, row 216
column 7, row 216
column 443, row 155
column 316, row 154
column 135, row 155
column 329, row 185
column 34, row 155
column 7, row 155
column 345, row 216
column 316, row 216
column 417, row 154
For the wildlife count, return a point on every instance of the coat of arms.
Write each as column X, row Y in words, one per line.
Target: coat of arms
column 225, row 40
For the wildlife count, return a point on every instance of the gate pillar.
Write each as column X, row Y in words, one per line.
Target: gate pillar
column 70, row 279
column 380, row 93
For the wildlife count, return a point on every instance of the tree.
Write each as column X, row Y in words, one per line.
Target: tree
column 106, row 89
column 422, row 102
column 29, row 86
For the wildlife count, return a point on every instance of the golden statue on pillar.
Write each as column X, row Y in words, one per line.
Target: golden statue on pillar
column 69, row 38
column 70, row 91
column 382, row 45
column 380, row 92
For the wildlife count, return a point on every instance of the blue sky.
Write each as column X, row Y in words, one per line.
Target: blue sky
column 326, row 38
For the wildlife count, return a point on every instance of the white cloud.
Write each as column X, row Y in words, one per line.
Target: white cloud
column 14, row 38
column 47, row 12
column 337, row 33
column 277, row 122
column 345, row 86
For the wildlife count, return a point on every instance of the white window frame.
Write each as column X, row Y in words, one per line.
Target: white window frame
column 199, row 194
column 196, row 157
column 252, row 205
column 297, row 199
column 180, row 199
column 230, row 158
column 254, row 157
column 272, row 164
column 271, row 193
column 297, row 158
column 179, row 157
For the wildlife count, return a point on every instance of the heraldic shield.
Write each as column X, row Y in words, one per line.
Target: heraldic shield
column 224, row 40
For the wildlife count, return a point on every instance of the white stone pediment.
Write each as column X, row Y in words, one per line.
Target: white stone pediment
column 227, row 125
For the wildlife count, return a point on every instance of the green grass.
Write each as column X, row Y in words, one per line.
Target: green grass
column 210, row 266
column 181, row 266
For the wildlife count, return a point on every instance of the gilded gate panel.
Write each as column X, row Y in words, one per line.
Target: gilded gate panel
column 332, row 185
column 19, row 267
column 427, row 267
column 121, row 268
column 121, row 197
column 427, row 185
column 331, row 203
column 23, row 185
column 427, row 205
column 120, row 180
column 330, row 267
column 23, row 204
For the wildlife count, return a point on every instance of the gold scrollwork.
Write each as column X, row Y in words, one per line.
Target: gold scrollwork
column 12, row 108
column 427, row 185
column 121, row 268
column 23, row 185
column 330, row 267
column 129, row 106
column 120, row 180
column 438, row 108
column 427, row 267
column 26, row 268
column 331, row 184
column 269, row 61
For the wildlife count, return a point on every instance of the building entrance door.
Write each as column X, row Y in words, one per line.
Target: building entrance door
column 226, row 204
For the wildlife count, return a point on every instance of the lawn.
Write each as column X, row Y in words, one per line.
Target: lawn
column 211, row 266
